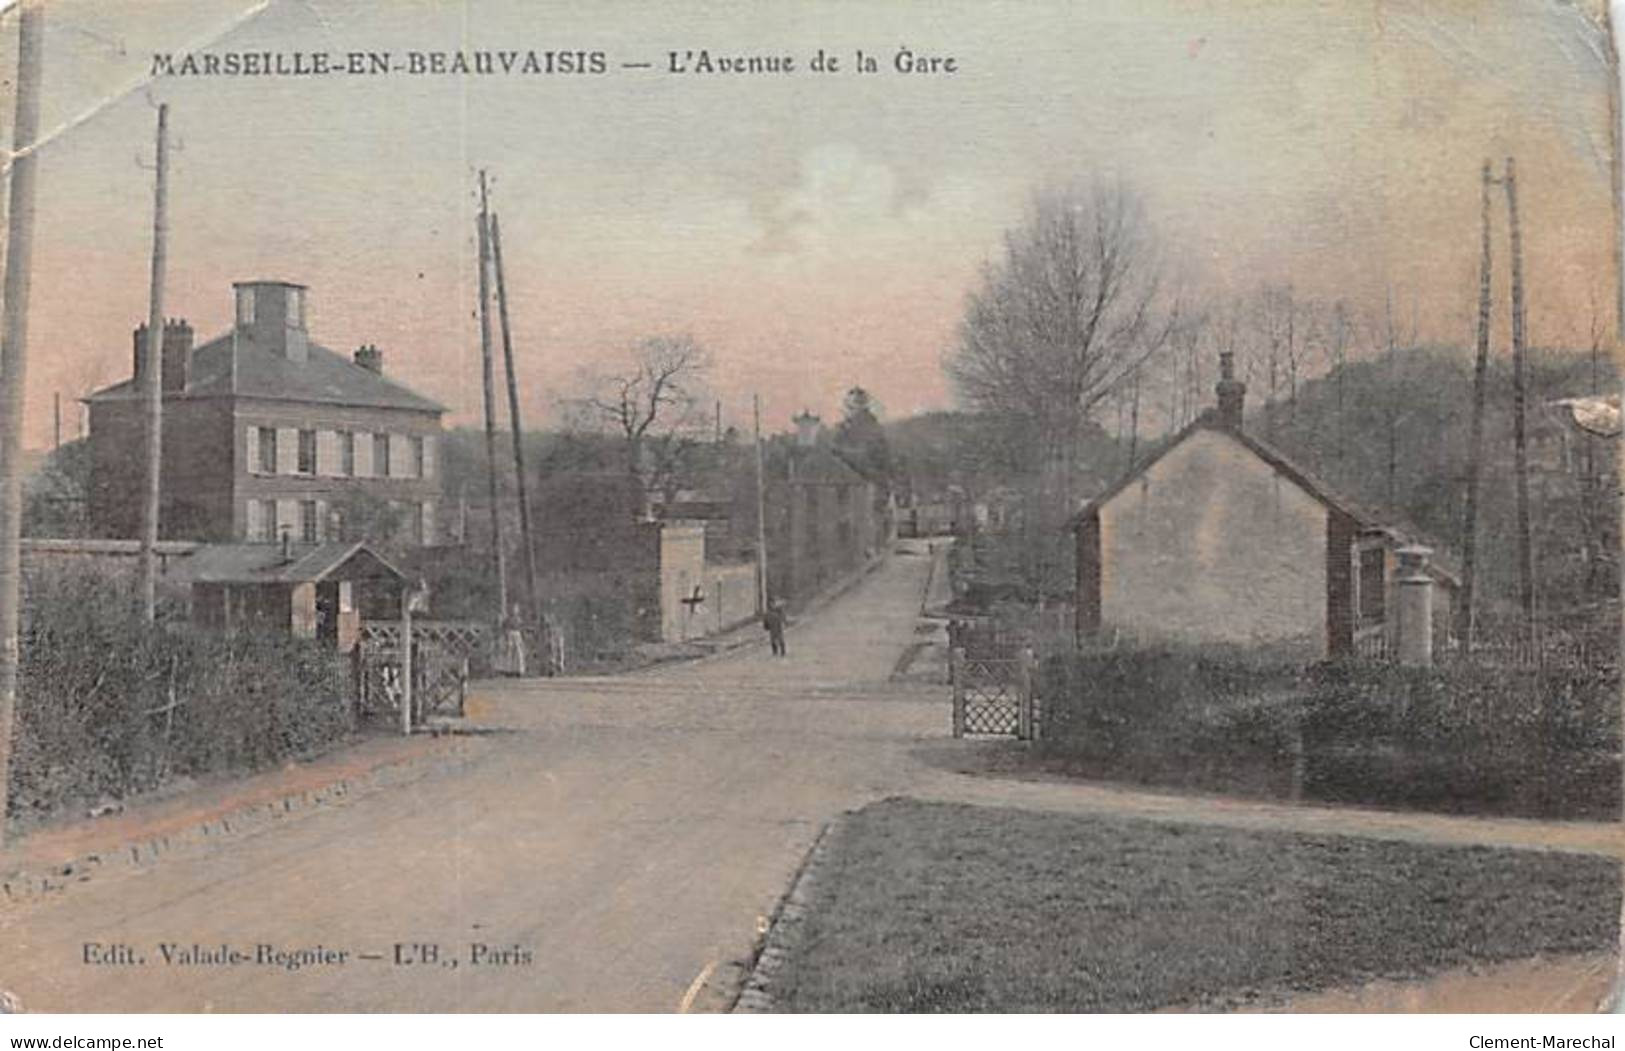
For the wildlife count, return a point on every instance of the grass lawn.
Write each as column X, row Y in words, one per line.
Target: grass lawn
column 940, row 907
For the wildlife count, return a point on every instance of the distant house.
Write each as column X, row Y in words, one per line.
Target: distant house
column 266, row 434
column 1220, row 538
column 821, row 519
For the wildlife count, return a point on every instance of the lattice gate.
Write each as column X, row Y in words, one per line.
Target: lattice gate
column 443, row 653
column 993, row 695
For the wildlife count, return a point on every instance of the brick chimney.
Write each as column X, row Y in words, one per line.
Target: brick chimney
column 271, row 315
column 1232, row 393
column 176, row 353
column 369, row 357
column 808, row 428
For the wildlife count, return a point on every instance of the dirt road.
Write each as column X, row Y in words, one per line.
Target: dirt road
column 617, row 842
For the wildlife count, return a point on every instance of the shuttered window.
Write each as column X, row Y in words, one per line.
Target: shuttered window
column 287, row 519
column 287, row 450
column 362, row 446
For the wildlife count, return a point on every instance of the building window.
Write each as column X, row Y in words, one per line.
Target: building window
column 380, row 455
column 267, row 464
column 347, row 453
column 420, row 524
column 307, row 452
column 245, row 306
column 309, row 525
column 417, row 456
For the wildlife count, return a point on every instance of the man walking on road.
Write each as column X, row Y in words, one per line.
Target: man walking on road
column 773, row 621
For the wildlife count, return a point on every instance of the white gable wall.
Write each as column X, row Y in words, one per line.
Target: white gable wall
column 1211, row 544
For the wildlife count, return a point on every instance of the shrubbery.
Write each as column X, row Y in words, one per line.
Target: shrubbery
column 1536, row 742
column 110, row 706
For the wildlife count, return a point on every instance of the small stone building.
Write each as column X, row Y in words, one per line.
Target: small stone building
column 1221, row 538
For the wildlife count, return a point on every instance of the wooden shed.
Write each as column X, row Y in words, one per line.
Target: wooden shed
column 314, row 591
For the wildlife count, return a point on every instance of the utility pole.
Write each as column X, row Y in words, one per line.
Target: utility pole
column 13, row 367
column 498, row 557
column 1520, row 462
column 761, row 512
column 532, row 593
column 1469, row 529
column 152, row 379
column 1393, row 412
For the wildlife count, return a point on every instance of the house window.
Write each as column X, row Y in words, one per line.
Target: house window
column 267, row 464
column 307, row 452
column 347, row 453
column 245, row 306
column 1373, row 586
column 380, row 455
column 417, row 456
column 309, row 525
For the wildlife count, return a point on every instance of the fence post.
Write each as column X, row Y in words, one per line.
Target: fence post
column 956, row 661
column 406, row 661
column 1415, row 606
column 1024, row 710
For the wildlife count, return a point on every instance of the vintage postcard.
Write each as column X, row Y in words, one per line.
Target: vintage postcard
column 810, row 507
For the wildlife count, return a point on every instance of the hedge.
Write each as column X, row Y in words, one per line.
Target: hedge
column 1465, row 738
column 109, row 706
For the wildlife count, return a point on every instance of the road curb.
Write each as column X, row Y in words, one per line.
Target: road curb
column 27, row 884
column 786, row 928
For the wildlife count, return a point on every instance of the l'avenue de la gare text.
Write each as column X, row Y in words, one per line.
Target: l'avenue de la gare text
column 684, row 62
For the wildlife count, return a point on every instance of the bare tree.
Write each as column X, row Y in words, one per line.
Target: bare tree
column 1066, row 317
column 656, row 406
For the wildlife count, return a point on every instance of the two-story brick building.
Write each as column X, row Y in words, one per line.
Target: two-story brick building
column 265, row 434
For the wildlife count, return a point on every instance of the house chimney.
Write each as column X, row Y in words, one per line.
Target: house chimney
column 271, row 315
column 1232, row 393
column 369, row 357
column 177, row 354
column 808, row 428
column 138, row 356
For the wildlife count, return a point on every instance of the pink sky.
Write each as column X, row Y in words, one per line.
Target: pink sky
column 814, row 232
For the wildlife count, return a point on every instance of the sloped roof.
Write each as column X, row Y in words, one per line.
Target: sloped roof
column 266, row 564
column 233, row 365
column 816, row 464
column 1364, row 518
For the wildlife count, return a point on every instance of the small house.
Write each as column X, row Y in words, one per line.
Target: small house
column 319, row 591
column 1221, row 538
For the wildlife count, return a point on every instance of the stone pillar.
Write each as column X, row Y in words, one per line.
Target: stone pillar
column 1415, row 606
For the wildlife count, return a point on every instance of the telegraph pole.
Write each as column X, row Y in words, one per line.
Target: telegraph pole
column 152, row 379
column 13, row 366
column 499, row 559
column 761, row 512
column 1469, row 532
column 532, row 592
column 1520, row 463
